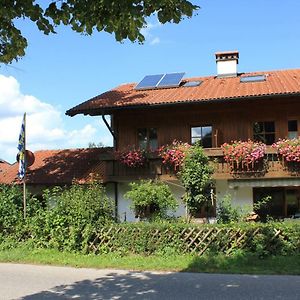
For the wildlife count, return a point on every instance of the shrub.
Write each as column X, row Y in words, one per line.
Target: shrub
column 69, row 213
column 11, row 208
column 226, row 213
column 151, row 199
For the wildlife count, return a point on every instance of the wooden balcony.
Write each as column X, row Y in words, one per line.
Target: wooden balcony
column 271, row 166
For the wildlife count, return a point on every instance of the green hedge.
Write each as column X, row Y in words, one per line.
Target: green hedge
column 80, row 219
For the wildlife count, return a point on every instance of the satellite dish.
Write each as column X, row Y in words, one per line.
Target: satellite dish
column 29, row 158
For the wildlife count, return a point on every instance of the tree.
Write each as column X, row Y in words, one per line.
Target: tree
column 196, row 177
column 124, row 18
column 94, row 145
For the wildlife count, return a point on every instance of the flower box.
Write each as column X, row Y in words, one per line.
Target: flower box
column 244, row 156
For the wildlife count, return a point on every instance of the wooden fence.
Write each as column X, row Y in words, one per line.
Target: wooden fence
column 196, row 240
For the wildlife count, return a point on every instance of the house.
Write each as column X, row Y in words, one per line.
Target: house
column 4, row 167
column 230, row 105
column 58, row 168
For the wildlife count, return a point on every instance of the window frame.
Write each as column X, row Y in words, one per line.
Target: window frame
column 288, row 131
column 264, row 132
column 148, row 128
column 204, row 125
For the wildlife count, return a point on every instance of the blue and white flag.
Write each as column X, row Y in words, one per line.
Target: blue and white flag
column 21, row 148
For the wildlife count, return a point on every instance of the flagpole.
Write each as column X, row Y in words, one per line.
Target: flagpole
column 22, row 160
column 24, row 183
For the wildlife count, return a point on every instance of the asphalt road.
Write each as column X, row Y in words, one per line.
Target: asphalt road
column 47, row 282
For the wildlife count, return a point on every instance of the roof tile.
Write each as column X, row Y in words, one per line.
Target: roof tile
column 59, row 167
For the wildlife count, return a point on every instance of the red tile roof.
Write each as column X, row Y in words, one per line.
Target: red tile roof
column 52, row 167
column 285, row 82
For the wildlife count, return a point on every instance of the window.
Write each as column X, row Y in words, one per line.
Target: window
column 292, row 129
column 147, row 138
column 203, row 134
column 264, row 132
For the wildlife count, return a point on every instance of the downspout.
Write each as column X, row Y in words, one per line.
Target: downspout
column 110, row 129
column 116, row 192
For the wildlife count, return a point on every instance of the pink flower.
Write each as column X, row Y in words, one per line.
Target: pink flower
column 289, row 149
column 173, row 155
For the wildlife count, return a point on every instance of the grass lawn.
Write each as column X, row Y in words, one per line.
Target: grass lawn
column 242, row 264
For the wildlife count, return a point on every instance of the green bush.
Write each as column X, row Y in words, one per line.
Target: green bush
column 151, row 199
column 69, row 212
column 11, row 206
column 64, row 221
column 226, row 212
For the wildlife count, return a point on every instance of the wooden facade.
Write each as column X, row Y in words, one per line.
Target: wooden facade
column 230, row 120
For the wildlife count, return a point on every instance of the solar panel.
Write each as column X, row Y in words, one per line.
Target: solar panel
column 149, row 82
column 170, row 80
column 253, row 78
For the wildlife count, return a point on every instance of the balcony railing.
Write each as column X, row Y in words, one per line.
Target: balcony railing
column 271, row 166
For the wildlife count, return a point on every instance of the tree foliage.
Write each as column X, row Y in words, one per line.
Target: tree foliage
column 123, row 18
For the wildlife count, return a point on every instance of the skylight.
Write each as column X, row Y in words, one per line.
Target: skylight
column 192, row 83
column 253, row 78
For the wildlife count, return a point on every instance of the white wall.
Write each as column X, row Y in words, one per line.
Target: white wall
column 178, row 192
column 241, row 196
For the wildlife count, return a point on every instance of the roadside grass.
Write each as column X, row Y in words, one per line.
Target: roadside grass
column 235, row 264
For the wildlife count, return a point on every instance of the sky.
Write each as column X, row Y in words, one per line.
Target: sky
column 65, row 69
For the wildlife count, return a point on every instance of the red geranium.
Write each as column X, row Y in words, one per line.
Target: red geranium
column 132, row 158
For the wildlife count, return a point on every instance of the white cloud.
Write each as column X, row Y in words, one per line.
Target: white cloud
column 147, row 32
column 44, row 123
column 155, row 41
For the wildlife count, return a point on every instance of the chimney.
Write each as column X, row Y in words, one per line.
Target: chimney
column 227, row 63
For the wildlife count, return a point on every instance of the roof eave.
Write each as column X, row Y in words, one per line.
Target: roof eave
column 111, row 109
